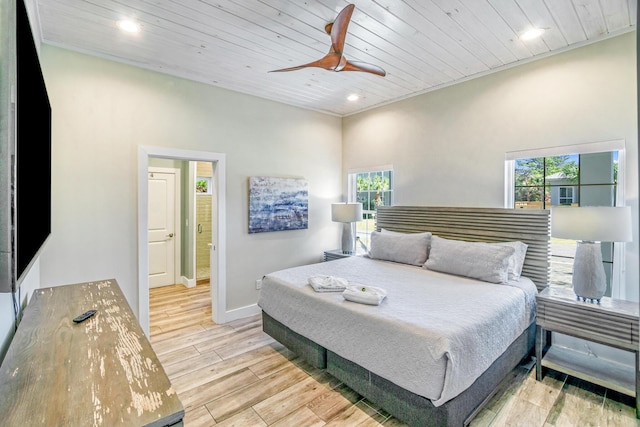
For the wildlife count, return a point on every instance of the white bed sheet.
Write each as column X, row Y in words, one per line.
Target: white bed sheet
column 434, row 334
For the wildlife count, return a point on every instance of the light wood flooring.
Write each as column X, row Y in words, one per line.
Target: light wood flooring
column 236, row 375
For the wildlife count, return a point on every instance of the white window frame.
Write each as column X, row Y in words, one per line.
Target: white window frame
column 618, row 271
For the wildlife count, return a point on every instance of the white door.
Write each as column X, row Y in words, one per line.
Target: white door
column 162, row 241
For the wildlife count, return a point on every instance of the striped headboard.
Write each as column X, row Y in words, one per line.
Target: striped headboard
column 480, row 225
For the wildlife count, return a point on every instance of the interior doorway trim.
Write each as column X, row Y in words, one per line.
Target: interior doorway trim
column 219, row 290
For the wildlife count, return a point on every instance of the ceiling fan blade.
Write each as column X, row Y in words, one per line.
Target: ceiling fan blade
column 281, row 70
column 363, row 66
column 339, row 28
column 328, row 62
column 334, row 60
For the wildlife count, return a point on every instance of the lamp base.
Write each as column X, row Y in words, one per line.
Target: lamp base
column 348, row 239
column 589, row 280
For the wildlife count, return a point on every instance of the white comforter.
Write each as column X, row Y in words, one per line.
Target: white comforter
column 433, row 335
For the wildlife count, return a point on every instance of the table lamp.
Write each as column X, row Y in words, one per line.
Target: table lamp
column 347, row 213
column 590, row 226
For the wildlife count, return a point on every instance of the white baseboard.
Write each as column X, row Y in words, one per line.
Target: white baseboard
column 242, row 312
column 189, row 283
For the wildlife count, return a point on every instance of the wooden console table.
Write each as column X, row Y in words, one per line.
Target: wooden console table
column 101, row 372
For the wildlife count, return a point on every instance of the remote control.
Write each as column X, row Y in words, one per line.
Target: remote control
column 84, row 316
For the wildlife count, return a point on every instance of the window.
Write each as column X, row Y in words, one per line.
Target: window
column 565, row 195
column 560, row 180
column 372, row 188
column 583, row 175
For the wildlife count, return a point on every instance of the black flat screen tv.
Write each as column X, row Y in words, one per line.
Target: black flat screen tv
column 32, row 182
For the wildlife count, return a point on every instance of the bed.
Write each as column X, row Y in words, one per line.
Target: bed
column 439, row 343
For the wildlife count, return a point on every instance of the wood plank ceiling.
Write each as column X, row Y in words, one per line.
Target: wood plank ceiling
column 422, row 44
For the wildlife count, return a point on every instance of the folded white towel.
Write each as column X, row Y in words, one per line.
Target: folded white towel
column 324, row 283
column 364, row 294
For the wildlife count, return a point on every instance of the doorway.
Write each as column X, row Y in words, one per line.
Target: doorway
column 218, row 249
column 203, row 219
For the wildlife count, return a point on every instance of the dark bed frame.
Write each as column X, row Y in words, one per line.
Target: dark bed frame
column 471, row 224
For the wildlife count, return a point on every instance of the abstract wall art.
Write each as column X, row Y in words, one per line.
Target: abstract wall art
column 277, row 204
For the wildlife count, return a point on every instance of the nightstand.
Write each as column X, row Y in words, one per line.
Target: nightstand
column 612, row 322
column 335, row 254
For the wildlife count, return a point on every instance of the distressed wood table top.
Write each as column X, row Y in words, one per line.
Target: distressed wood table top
column 101, row 372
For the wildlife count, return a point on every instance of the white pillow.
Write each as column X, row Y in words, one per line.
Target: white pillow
column 517, row 260
column 407, row 248
column 477, row 260
column 424, row 233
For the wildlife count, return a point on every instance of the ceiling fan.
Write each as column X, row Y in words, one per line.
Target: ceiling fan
column 335, row 60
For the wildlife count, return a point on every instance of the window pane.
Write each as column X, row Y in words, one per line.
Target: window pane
column 607, row 251
column 381, row 182
column 548, row 201
column 597, row 168
column 598, row 195
column 529, row 198
column 388, row 176
column 386, row 198
column 563, row 251
column 362, row 182
column 363, row 231
column 562, row 170
column 529, row 172
column 608, row 271
column 363, row 197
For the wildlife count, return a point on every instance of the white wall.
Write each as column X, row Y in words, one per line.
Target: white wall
column 103, row 110
column 447, row 147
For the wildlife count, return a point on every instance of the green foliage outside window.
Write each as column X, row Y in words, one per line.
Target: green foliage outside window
column 373, row 189
column 377, row 183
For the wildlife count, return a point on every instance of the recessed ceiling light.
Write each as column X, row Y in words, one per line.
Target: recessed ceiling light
column 532, row 34
column 353, row 97
column 129, row 26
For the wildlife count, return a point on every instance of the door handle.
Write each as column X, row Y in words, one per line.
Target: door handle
column 170, row 235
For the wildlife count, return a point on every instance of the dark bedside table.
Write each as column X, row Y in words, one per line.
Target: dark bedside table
column 612, row 322
column 335, row 254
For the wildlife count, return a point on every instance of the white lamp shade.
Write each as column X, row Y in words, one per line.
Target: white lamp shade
column 592, row 223
column 346, row 212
